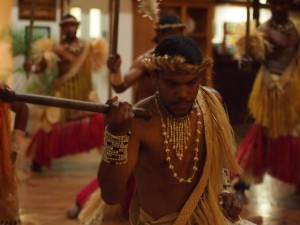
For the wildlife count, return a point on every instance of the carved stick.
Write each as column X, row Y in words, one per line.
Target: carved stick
column 8, row 95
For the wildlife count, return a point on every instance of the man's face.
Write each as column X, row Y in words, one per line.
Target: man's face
column 69, row 30
column 178, row 91
column 279, row 9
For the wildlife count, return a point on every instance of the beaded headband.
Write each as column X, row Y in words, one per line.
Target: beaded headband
column 69, row 20
column 169, row 26
column 175, row 64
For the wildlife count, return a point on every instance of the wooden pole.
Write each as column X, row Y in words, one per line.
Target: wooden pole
column 114, row 8
column 114, row 25
column 248, row 29
column 8, row 95
column 30, row 31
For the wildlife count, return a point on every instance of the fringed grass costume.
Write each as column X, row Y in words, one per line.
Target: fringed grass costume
column 273, row 143
column 64, row 131
column 9, row 207
column 9, row 202
column 203, row 207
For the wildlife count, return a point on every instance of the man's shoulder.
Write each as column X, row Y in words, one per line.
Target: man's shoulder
column 147, row 53
column 212, row 91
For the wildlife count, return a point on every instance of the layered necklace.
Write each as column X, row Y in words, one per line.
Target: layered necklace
column 286, row 27
column 176, row 133
column 75, row 47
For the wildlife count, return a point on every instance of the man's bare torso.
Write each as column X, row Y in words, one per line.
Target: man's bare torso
column 285, row 46
column 69, row 54
column 159, row 192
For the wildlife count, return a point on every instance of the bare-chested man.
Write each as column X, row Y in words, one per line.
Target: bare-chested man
column 167, row 25
column 74, row 59
column 177, row 157
column 273, row 143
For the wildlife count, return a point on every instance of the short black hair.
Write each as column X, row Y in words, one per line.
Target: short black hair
column 169, row 19
column 180, row 45
column 68, row 18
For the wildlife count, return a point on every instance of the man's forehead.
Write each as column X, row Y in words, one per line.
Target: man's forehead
column 69, row 24
column 171, row 75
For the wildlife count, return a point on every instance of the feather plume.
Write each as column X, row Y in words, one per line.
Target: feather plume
column 150, row 9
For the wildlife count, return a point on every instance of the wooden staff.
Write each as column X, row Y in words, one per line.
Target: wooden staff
column 114, row 7
column 114, row 25
column 247, row 50
column 30, row 31
column 8, row 95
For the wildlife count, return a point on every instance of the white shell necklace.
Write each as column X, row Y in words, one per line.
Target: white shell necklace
column 177, row 131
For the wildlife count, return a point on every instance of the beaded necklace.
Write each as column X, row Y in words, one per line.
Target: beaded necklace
column 177, row 131
column 75, row 47
column 285, row 28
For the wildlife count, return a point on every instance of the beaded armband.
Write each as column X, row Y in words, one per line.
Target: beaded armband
column 115, row 151
column 17, row 138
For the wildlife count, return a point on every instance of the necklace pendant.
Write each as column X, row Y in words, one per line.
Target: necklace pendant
column 179, row 155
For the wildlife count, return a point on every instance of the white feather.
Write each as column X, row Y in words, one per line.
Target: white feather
column 150, row 9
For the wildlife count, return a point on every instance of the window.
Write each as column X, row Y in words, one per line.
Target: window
column 95, row 23
column 76, row 11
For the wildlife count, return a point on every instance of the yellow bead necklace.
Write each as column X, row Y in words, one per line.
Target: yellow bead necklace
column 177, row 131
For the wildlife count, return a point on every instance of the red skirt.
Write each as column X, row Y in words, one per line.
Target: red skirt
column 279, row 157
column 67, row 138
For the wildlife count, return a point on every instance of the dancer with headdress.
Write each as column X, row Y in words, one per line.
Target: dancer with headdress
column 68, row 65
column 272, row 144
column 164, row 26
column 178, row 156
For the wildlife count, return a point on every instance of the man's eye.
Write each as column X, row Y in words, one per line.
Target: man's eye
column 172, row 84
column 192, row 82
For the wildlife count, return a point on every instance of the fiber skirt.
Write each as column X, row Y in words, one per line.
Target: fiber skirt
column 66, row 138
column 278, row 157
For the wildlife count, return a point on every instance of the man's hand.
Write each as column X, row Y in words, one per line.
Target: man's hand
column 27, row 65
column 119, row 116
column 231, row 206
column 6, row 94
column 114, row 63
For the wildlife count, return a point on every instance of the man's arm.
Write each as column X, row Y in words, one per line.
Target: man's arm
column 21, row 116
column 120, row 154
column 121, row 83
column 21, row 111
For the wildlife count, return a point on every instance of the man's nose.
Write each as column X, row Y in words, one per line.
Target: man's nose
column 182, row 92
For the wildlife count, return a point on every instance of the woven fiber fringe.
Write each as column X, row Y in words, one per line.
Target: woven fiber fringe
column 275, row 110
column 203, row 205
column 97, row 212
column 279, row 157
column 80, row 135
column 7, row 177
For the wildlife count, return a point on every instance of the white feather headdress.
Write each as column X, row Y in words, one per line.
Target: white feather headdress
column 150, row 9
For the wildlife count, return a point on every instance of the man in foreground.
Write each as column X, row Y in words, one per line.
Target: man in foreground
column 178, row 156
